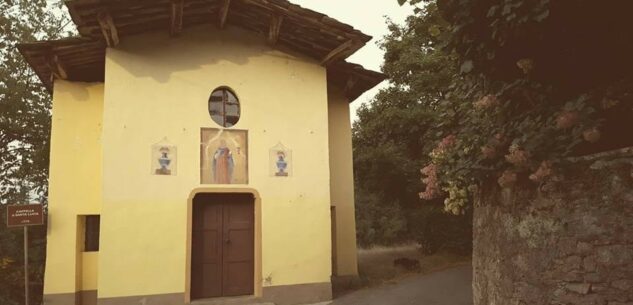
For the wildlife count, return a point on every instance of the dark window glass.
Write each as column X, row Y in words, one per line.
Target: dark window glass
column 91, row 237
column 224, row 107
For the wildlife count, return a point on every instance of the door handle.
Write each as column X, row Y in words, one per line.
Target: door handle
column 227, row 241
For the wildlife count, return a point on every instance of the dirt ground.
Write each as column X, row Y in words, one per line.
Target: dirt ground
column 376, row 267
column 452, row 286
column 440, row 279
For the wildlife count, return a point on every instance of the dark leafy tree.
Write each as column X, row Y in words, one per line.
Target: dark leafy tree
column 538, row 81
column 24, row 137
column 395, row 134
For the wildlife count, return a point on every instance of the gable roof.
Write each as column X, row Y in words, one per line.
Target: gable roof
column 104, row 23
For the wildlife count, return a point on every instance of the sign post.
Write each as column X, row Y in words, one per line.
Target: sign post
column 25, row 216
column 26, row 265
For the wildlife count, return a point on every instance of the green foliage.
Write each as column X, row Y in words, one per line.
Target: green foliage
column 394, row 136
column 378, row 223
column 494, row 91
column 24, row 137
column 24, row 103
column 437, row 231
column 538, row 81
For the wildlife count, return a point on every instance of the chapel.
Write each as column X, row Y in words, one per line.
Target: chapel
column 200, row 150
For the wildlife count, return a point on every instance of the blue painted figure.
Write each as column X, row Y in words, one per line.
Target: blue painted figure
column 281, row 164
column 164, row 162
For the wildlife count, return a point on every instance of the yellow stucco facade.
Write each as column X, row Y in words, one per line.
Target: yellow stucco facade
column 156, row 89
column 75, row 185
column 342, row 183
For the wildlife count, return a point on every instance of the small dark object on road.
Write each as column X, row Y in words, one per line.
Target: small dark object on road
column 407, row 263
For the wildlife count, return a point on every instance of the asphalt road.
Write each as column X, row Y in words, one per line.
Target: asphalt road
column 449, row 287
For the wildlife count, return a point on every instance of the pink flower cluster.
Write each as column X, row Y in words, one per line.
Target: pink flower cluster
column 486, row 102
column 544, row 171
column 444, row 145
column 507, row 179
column 517, row 156
column 488, row 151
column 491, row 149
column 592, row 135
column 432, row 184
column 567, row 119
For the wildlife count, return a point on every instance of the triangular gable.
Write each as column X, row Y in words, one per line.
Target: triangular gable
column 292, row 26
column 104, row 23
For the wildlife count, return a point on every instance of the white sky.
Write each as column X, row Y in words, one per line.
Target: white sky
column 369, row 17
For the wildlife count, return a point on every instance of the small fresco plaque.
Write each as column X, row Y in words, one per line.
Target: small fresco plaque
column 164, row 159
column 223, row 156
column 280, row 161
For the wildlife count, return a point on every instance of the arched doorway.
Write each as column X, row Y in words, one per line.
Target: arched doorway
column 224, row 252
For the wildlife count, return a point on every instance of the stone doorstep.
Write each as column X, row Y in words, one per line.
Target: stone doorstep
column 249, row 300
column 220, row 302
column 203, row 302
column 242, row 300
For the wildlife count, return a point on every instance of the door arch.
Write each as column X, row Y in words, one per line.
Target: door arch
column 208, row 194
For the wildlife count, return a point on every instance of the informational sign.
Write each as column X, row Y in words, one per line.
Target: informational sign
column 25, row 215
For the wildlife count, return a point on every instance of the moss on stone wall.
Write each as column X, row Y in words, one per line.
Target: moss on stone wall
column 567, row 241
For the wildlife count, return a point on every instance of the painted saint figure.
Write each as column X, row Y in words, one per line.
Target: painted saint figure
column 223, row 164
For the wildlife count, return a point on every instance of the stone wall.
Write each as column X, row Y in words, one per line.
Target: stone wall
column 568, row 241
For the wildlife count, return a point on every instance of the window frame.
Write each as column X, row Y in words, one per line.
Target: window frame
column 91, row 233
column 225, row 101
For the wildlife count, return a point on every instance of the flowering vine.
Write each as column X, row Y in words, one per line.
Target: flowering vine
column 515, row 110
column 515, row 134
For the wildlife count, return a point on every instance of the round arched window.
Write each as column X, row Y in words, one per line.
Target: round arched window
column 224, row 107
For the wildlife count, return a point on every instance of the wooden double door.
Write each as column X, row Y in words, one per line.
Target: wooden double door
column 222, row 249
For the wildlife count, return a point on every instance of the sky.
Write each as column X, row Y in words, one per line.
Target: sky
column 367, row 16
